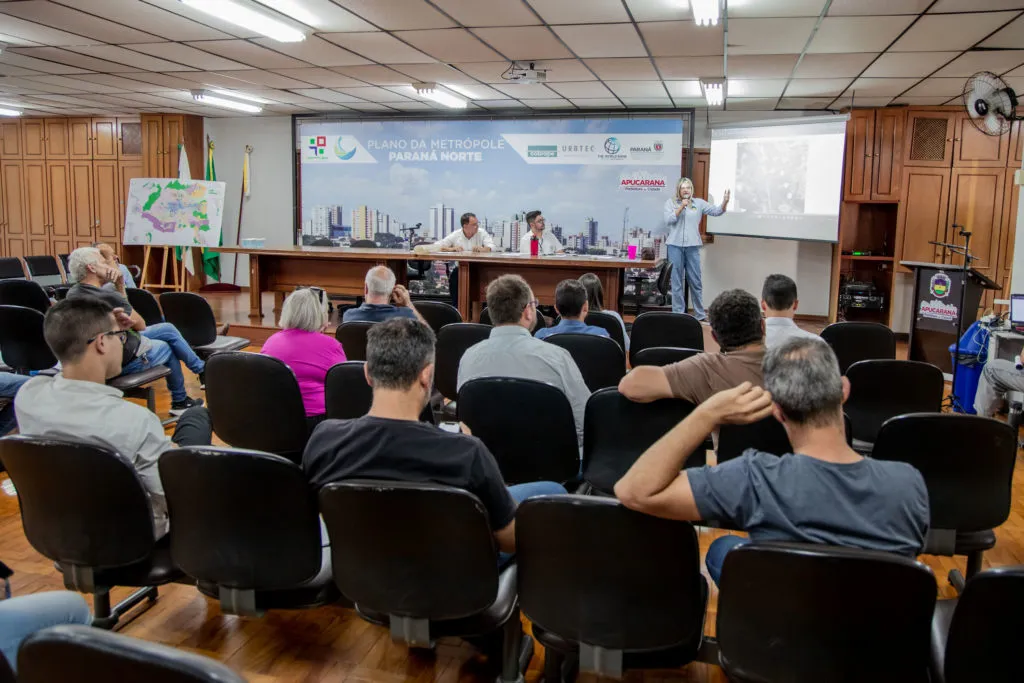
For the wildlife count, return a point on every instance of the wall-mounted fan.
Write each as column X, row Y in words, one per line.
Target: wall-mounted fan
column 990, row 103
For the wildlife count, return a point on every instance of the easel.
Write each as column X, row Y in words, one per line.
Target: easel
column 180, row 279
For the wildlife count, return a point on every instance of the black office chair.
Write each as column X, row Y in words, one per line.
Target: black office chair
column 347, row 395
column 662, row 355
column 438, row 314
column 608, row 322
column 193, row 317
column 79, row 653
column 11, row 268
column 21, row 340
column 976, row 636
column 452, row 342
column 527, row 425
column 797, row 612
column 363, row 244
column 64, row 264
column 247, row 529
column 967, row 463
column 421, row 579
column 856, row 341
column 25, row 293
column 662, row 287
column 322, row 242
column 601, row 361
column 485, row 317
column 587, row 596
column 255, row 403
column 353, row 338
column 663, row 328
column 146, row 305
column 84, row 507
column 767, row 435
column 45, row 270
column 881, row 389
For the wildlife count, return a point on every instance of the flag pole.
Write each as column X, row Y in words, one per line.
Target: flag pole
column 241, row 205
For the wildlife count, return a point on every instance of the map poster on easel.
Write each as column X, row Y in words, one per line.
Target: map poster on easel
column 174, row 213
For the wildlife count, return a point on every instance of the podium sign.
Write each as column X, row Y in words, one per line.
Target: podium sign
column 937, row 302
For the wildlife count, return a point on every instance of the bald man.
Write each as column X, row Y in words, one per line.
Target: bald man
column 384, row 299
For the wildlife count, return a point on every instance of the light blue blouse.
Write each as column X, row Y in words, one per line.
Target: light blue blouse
column 684, row 229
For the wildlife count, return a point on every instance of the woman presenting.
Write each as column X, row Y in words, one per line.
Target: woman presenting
column 682, row 221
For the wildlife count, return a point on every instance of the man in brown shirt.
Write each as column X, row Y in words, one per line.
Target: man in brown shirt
column 737, row 326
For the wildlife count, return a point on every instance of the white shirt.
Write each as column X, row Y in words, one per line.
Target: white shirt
column 97, row 414
column 549, row 244
column 778, row 330
column 459, row 240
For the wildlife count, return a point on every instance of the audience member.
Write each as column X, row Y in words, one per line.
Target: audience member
column 302, row 345
column 87, row 336
column 384, row 299
column 571, row 304
column 547, row 243
column 779, row 303
column 511, row 351
column 145, row 347
column 595, row 300
column 111, row 259
column 9, row 385
column 998, row 378
column 822, row 493
column 737, row 326
column 391, row 443
column 22, row 616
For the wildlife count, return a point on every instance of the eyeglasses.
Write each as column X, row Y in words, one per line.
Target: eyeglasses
column 120, row 334
column 534, row 303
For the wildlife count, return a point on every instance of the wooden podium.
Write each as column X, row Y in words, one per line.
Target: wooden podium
column 937, row 309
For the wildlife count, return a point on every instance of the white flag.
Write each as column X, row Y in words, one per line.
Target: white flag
column 185, row 174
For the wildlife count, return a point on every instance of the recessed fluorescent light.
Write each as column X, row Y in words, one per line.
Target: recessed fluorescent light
column 240, row 15
column 705, row 12
column 237, row 95
column 9, row 112
column 430, row 91
column 294, row 10
column 713, row 92
column 462, row 90
column 204, row 97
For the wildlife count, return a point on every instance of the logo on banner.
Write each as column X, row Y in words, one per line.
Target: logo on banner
column 940, row 284
column 576, row 150
column 937, row 310
column 340, row 151
column 642, row 181
column 612, row 146
column 318, row 145
column 659, row 146
column 542, row 151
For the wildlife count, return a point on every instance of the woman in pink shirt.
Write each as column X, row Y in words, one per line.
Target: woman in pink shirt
column 305, row 349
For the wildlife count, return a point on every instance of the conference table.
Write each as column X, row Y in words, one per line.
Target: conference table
column 341, row 271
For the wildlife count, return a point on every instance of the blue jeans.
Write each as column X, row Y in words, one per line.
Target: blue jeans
column 521, row 492
column 22, row 616
column 686, row 263
column 9, row 385
column 719, row 548
column 168, row 347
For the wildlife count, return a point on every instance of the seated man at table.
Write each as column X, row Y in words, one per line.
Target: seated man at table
column 547, row 243
column 571, row 304
column 390, row 442
column 824, row 492
column 511, row 351
column 737, row 326
column 384, row 299
column 779, row 302
column 469, row 239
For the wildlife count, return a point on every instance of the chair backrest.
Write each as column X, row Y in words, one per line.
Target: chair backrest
column 616, row 431
column 44, row 269
column 145, row 304
column 241, row 519
column 422, row 570
column 81, row 505
column 363, row 244
column 794, row 612
column 527, row 425
column 347, row 395
column 64, row 262
column 192, row 315
column 485, row 317
column 984, row 633
column 662, row 355
column 27, row 293
column 855, row 341
column 21, row 339
column 609, row 322
column 663, row 328
column 452, row 342
column 601, row 361
column 353, row 338
column 767, row 435
column 438, row 314
column 663, row 282
column 255, row 403
column 579, row 577
column 11, row 268
column 881, row 389
column 322, row 242
column 66, row 653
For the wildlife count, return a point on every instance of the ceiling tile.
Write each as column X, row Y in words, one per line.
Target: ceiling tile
column 326, row 94
column 325, row 78
column 78, row 84
column 413, row 105
column 682, row 38
column 877, row 87
column 943, row 6
column 56, row 54
column 937, row 87
column 145, row 17
column 556, row 103
column 857, row 34
column 921, row 101
column 249, row 53
column 11, row 70
column 500, row 104
column 280, row 96
column 996, row 61
column 328, row 16
column 435, row 73
column 212, row 78
column 637, row 89
column 803, row 103
column 658, row 10
column 80, row 23
column 847, row 101
column 833, row 65
column 328, row 107
column 647, row 101
column 130, row 58
column 488, row 12
column 189, row 56
column 1009, row 36
column 761, row 87
column 315, row 51
column 841, row 8
column 626, row 69
column 221, row 25
column 761, row 66
column 935, row 32
column 565, row 70
column 684, row 88
column 524, row 42
column 476, row 91
column 374, row 94
column 602, row 40
column 527, row 91
column 450, row 45
column 163, row 80
column 768, row 36
column 597, row 103
column 397, row 15
column 584, row 89
column 267, row 79
column 685, row 68
column 370, row 106
column 380, row 47
column 589, row 12
column 36, row 33
column 816, row 87
column 775, row 8
column 750, row 104
column 374, row 74
column 906, row 64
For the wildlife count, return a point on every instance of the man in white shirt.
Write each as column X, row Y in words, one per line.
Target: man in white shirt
column 547, row 243
column 87, row 336
column 779, row 303
column 470, row 238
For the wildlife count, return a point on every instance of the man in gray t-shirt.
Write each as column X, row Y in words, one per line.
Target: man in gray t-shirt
column 822, row 493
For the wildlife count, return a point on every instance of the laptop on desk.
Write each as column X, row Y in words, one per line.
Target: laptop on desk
column 1017, row 312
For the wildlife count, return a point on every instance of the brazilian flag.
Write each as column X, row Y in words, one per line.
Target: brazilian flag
column 211, row 259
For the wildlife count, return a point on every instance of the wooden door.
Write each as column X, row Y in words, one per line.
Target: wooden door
column 929, row 138
column 105, row 201
column 14, row 208
column 152, row 145
column 976, row 203
column 10, row 139
column 1008, row 232
column 56, row 140
column 82, row 220
column 887, row 161
column 860, row 145
column 58, row 177
column 37, row 210
column 126, row 171
column 32, row 144
column 174, row 127
column 104, row 138
column 922, row 214
column 1015, row 158
column 972, row 148
column 80, row 139
column 129, row 140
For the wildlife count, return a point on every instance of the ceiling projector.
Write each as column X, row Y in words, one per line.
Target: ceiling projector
column 526, row 74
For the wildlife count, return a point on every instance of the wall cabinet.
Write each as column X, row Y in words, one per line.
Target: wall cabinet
column 36, row 200
column 80, row 139
column 56, row 141
column 928, row 140
column 106, row 202
column 973, row 148
column 873, row 164
column 82, row 221
column 10, row 140
column 860, row 137
column 976, row 204
column 161, row 135
column 15, row 241
column 33, row 131
column 922, row 214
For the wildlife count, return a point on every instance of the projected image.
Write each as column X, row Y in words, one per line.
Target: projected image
column 771, row 176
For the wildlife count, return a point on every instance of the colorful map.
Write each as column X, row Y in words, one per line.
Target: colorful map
column 169, row 212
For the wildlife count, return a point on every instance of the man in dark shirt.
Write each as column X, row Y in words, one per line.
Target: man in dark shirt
column 391, row 443
column 822, row 493
column 384, row 299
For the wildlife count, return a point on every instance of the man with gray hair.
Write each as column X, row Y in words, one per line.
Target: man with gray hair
column 823, row 492
column 384, row 299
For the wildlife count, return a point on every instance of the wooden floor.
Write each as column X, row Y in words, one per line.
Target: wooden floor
column 333, row 643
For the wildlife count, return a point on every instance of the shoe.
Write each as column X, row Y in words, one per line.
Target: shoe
column 179, row 407
column 202, row 380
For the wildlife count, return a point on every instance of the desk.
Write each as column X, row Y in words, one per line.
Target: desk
column 341, row 271
column 1005, row 344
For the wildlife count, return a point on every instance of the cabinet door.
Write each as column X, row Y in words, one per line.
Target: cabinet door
column 82, row 221
column 129, row 140
column 174, row 127
column 887, row 162
column 1016, row 155
column 59, row 190
column 105, row 206
column 104, row 133
column 974, row 149
column 929, row 139
column 922, row 214
column 126, row 171
column 976, row 203
column 80, row 139
column 1008, row 233
column 14, row 208
column 37, row 219
column 56, row 141
column 860, row 145
column 32, row 133
column 152, row 145
column 10, row 139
